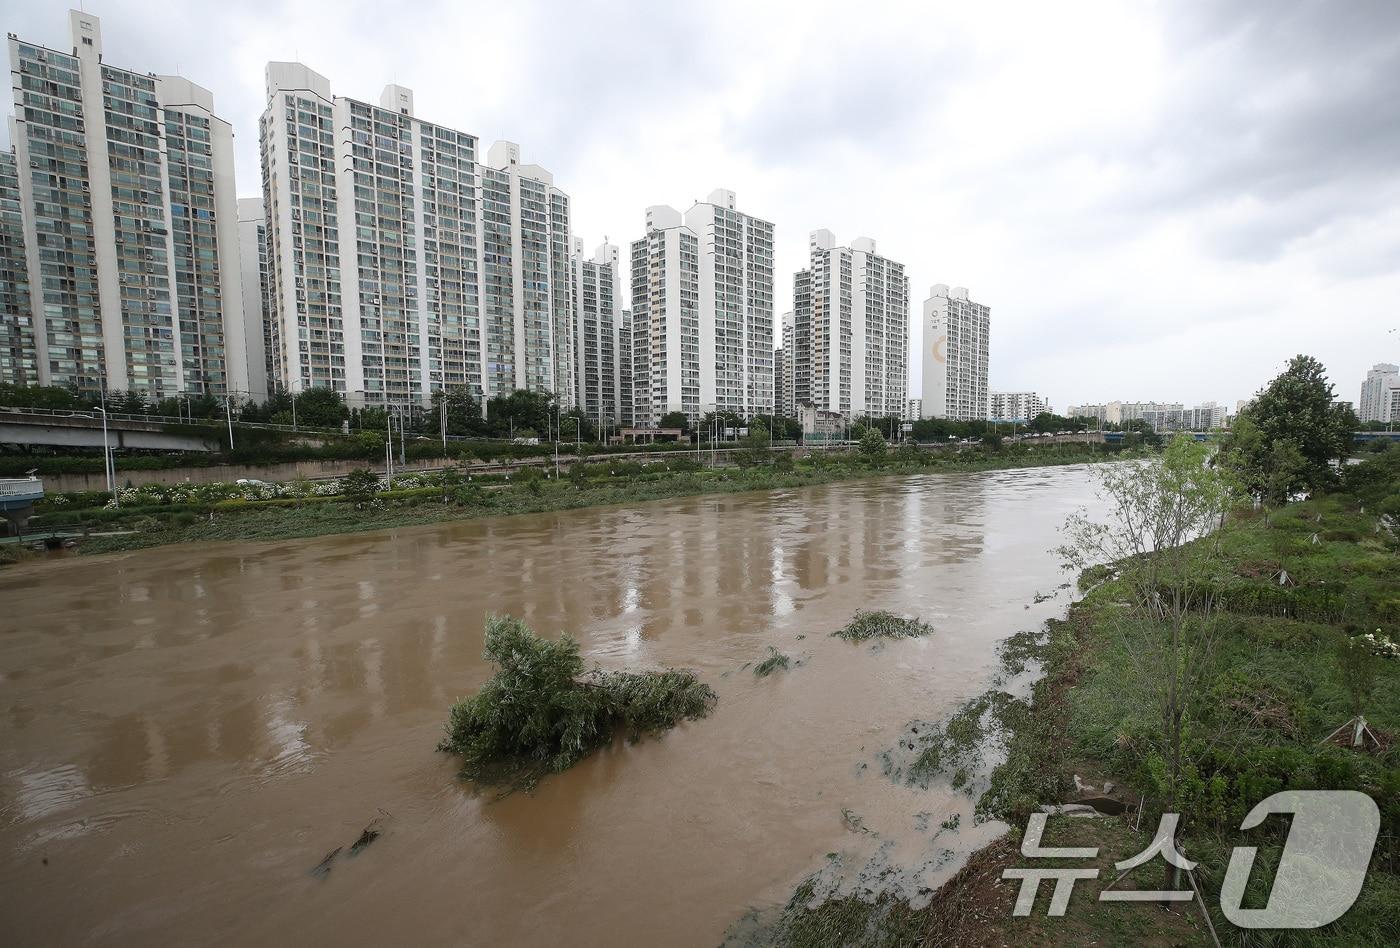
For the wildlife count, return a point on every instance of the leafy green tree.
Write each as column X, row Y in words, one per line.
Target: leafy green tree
column 1140, row 433
column 675, row 419
column 872, row 445
column 755, row 450
column 520, row 409
column 463, row 412
column 1157, row 508
column 1285, row 473
column 321, row 407
column 54, row 397
column 1298, row 406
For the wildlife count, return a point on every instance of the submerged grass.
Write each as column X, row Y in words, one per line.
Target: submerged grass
column 1275, row 690
column 541, row 713
column 775, row 661
column 865, row 625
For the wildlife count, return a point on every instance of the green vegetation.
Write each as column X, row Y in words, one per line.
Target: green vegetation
column 1219, row 655
column 192, row 513
column 775, row 661
column 1289, row 664
column 540, row 712
column 1287, row 439
column 865, row 625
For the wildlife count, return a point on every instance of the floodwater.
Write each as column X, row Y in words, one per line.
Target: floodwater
column 188, row 731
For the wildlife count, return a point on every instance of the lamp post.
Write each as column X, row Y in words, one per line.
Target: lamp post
column 228, row 415
column 108, row 467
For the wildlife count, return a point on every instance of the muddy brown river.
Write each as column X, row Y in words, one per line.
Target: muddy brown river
column 187, row 731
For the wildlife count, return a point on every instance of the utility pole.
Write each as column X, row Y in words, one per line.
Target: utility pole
column 228, row 413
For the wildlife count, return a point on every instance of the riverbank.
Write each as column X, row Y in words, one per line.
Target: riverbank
column 1294, row 594
column 165, row 518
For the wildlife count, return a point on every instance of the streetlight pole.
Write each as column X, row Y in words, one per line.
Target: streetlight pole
column 108, row 467
column 228, row 414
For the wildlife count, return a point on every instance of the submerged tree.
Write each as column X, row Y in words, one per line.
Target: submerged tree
column 541, row 713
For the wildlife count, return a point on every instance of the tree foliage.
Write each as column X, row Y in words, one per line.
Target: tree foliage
column 1157, row 511
column 872, row 444
column 541, row 713
column 1298, row 407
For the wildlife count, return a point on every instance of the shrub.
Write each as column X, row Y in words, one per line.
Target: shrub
column 360, row 484
column 879, row 624
column 540, row 713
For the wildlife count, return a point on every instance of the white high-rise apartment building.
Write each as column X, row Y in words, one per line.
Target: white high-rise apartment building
column 784, row 386
column 1015, row 406
column 602, row 342
column 851, row 329
column 374, row 248
column 955, row 358
column 1380, row 394
column 263, row 373
column 702, row 292
column 126, row 193
column 624, row 365
column 527, row 302
column 19, row 363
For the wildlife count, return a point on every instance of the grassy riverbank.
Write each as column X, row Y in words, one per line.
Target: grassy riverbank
column 1288, row 665
column 170, row 517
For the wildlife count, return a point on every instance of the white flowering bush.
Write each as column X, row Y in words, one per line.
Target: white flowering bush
column 1381, row 645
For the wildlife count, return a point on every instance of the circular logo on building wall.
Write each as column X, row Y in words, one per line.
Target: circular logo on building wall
column 940, row 349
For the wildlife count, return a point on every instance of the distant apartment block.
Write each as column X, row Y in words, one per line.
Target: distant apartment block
column 1162, row 416
column 263, row 373
column 1015, row 406
column 851, row 329
column 779, row 404
column 1380, row 394
column 955, row 356
column 784, row 402
column 702, row 312
column 126, row 190
column 602, row 344
column 914, row 410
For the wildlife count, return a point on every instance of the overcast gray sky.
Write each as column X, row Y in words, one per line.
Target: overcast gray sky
column 1158, row 200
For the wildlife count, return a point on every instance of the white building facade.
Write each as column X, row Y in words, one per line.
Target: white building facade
column 955, row 356
column 127, row 199
column 702, row 294
column 1380, row 394
column 257, row 328
column 602, row 338
column 19, row 361
column 851, row 329
column 398, row 263
column 1019, row 407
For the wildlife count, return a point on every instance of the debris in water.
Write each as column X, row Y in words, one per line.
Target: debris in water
column 878, row 624
column 776, row 660
column 323, row 868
